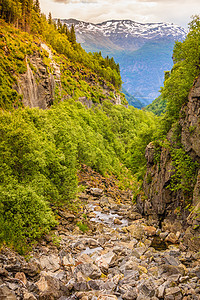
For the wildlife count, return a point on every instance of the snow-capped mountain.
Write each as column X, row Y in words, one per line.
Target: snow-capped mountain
column 144, row 51
column 129, row 29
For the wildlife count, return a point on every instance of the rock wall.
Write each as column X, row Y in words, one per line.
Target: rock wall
column 161, row 205
column 37, row 85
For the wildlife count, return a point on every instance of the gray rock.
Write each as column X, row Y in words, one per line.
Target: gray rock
column 161, row 290
column 171, row 260
column 130, row 279
column 173, row 293
column 81, row 286
column 139, row 251
column 147, row 288
column 6, row 293
column 112, row 283
column 131, row 294
column 169, row 270
column 96, row 192
column 50, row 262
column 196, row 271
column 88, row 270
column 96, row 284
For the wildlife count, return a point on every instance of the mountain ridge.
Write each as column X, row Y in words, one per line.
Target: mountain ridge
column 144, row 51
column 138, row 25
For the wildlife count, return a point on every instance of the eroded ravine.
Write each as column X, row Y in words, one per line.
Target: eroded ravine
column 111, row 260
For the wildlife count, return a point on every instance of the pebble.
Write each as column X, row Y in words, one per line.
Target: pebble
column 111, row 262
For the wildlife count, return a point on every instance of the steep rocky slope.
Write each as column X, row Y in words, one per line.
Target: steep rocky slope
column 38, row 84
column 38, row 72
column 109, row 253
column 165, row 206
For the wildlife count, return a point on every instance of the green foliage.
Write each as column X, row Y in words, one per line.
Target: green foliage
column 157, row 151
column 14, row 46
column 158, row 106
column 132, row 100
column 82, row 226
column 187, row 65
column 185, row 171
column 25, row 215
column 41, row 150
column 26, row 15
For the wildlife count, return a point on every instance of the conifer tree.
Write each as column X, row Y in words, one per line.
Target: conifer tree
column 59, row 24
column 10, row 11
column 72, row 35
column 66, row 30
column 50, row 18
column 27, row 6
column 36, row 6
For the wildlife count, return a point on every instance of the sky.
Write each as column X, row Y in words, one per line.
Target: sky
column 144, row 11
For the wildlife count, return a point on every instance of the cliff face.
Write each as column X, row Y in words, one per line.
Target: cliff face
column 161, row 204
column 42, row 81
column 38, row 84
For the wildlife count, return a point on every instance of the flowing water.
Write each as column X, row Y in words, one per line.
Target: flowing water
column 108, row 218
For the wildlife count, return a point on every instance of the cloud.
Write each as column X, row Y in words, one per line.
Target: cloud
column 75, row 1
column 96, row 11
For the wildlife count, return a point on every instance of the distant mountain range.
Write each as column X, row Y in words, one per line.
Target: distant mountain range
column 144, row 51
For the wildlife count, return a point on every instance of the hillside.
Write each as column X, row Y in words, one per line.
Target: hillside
column 60, row 108
column 98, row 200
column 143, row 51
column 38, row 70
column 171, row 183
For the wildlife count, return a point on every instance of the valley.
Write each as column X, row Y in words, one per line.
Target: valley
column 143, row 51
column 99, row 200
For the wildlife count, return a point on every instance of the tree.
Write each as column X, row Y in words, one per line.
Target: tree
column 27, row 6
column 50, row 18
column 10, row 10
column 36, row 6
column 72, row 35
column 179, row 81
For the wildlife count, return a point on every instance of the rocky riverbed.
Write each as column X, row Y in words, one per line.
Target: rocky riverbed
column 113, row 253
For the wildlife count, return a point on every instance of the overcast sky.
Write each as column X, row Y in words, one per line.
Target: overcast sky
column 144, row 11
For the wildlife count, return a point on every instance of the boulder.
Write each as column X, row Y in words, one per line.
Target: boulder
column 171, row 238
column 150, row 230
column 50, row 262
column 48, row 286
column 96, row 192
column 136, row 230
column 6, row 293
column 68, row 260
column 173, row 293
column 22, row 277
column 130, row 294
column 88, row 270
column 147, row 288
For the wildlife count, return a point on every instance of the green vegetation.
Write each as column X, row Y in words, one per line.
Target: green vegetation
column 41, row 151
column 158, row 106
column 16, row 46
column 185, row 173
column 132, row 100
column 179, row 81
column 82, row 226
